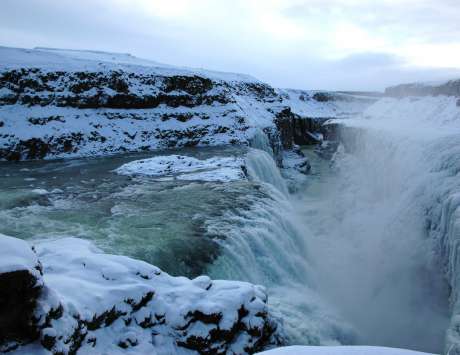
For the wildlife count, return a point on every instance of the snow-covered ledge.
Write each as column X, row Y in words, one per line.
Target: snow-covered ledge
column 93, row 302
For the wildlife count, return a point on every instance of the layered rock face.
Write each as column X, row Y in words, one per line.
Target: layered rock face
column 58, row 104
column 77, row 106
column 91, row 302
column 302, row 122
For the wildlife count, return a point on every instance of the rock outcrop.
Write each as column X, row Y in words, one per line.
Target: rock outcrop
column 60, row 104
column 20, row 287
column 89, row 107
column 87, row 301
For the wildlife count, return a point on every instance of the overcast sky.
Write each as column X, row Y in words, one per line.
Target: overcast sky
column 312, row 44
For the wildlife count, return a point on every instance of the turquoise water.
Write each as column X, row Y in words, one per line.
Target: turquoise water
column 161, row 222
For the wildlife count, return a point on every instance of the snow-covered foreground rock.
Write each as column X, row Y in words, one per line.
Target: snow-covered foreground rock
column 339, row 350
column 79, row 299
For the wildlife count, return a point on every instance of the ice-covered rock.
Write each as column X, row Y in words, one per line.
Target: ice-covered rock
column 223, row 169
column 91, row 302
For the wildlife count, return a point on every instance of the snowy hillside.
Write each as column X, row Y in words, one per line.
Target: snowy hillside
column 71, row 103
column 65, row 103
column 54, row 59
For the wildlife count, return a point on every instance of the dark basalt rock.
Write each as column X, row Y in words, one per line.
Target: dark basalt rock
column 41, row 121
column 19, row 291
column 295, row 129
column 322, row 97
column 33, row 87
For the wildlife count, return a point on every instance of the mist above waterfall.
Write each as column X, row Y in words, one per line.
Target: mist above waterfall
column 375, row 246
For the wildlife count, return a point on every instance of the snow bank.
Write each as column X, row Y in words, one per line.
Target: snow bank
column 16, row 255
column 340, row 350
column 98, row 303
column 52, row 59
column 223, row 169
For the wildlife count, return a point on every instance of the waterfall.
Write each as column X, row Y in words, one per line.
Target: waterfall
column 262, row 168
column 393, row 225
column 367, row 254
column 260, row 141
column 266, row 244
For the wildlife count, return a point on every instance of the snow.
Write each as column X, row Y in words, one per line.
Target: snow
column 152, row 311
column 120, row 128
column 302, row 103
column 222, row 169
column 339, row 350
column 229, row 112
column 81, row 60
column 16, row 255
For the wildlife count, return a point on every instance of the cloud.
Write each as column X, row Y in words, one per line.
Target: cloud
column 327, row 44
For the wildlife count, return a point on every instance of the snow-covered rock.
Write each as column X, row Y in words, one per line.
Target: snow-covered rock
column 71, row 103
column 65, row 103
column 20, row 286
column 323, row 104
column 107, row 304
column 223, row 169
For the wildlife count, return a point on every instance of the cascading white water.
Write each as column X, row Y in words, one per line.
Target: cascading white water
column 266, row 245
column 260, row 141
column 377, row 244
column 364, row 253
column 262, row 168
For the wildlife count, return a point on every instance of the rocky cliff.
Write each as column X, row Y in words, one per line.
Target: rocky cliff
column 57, row 103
